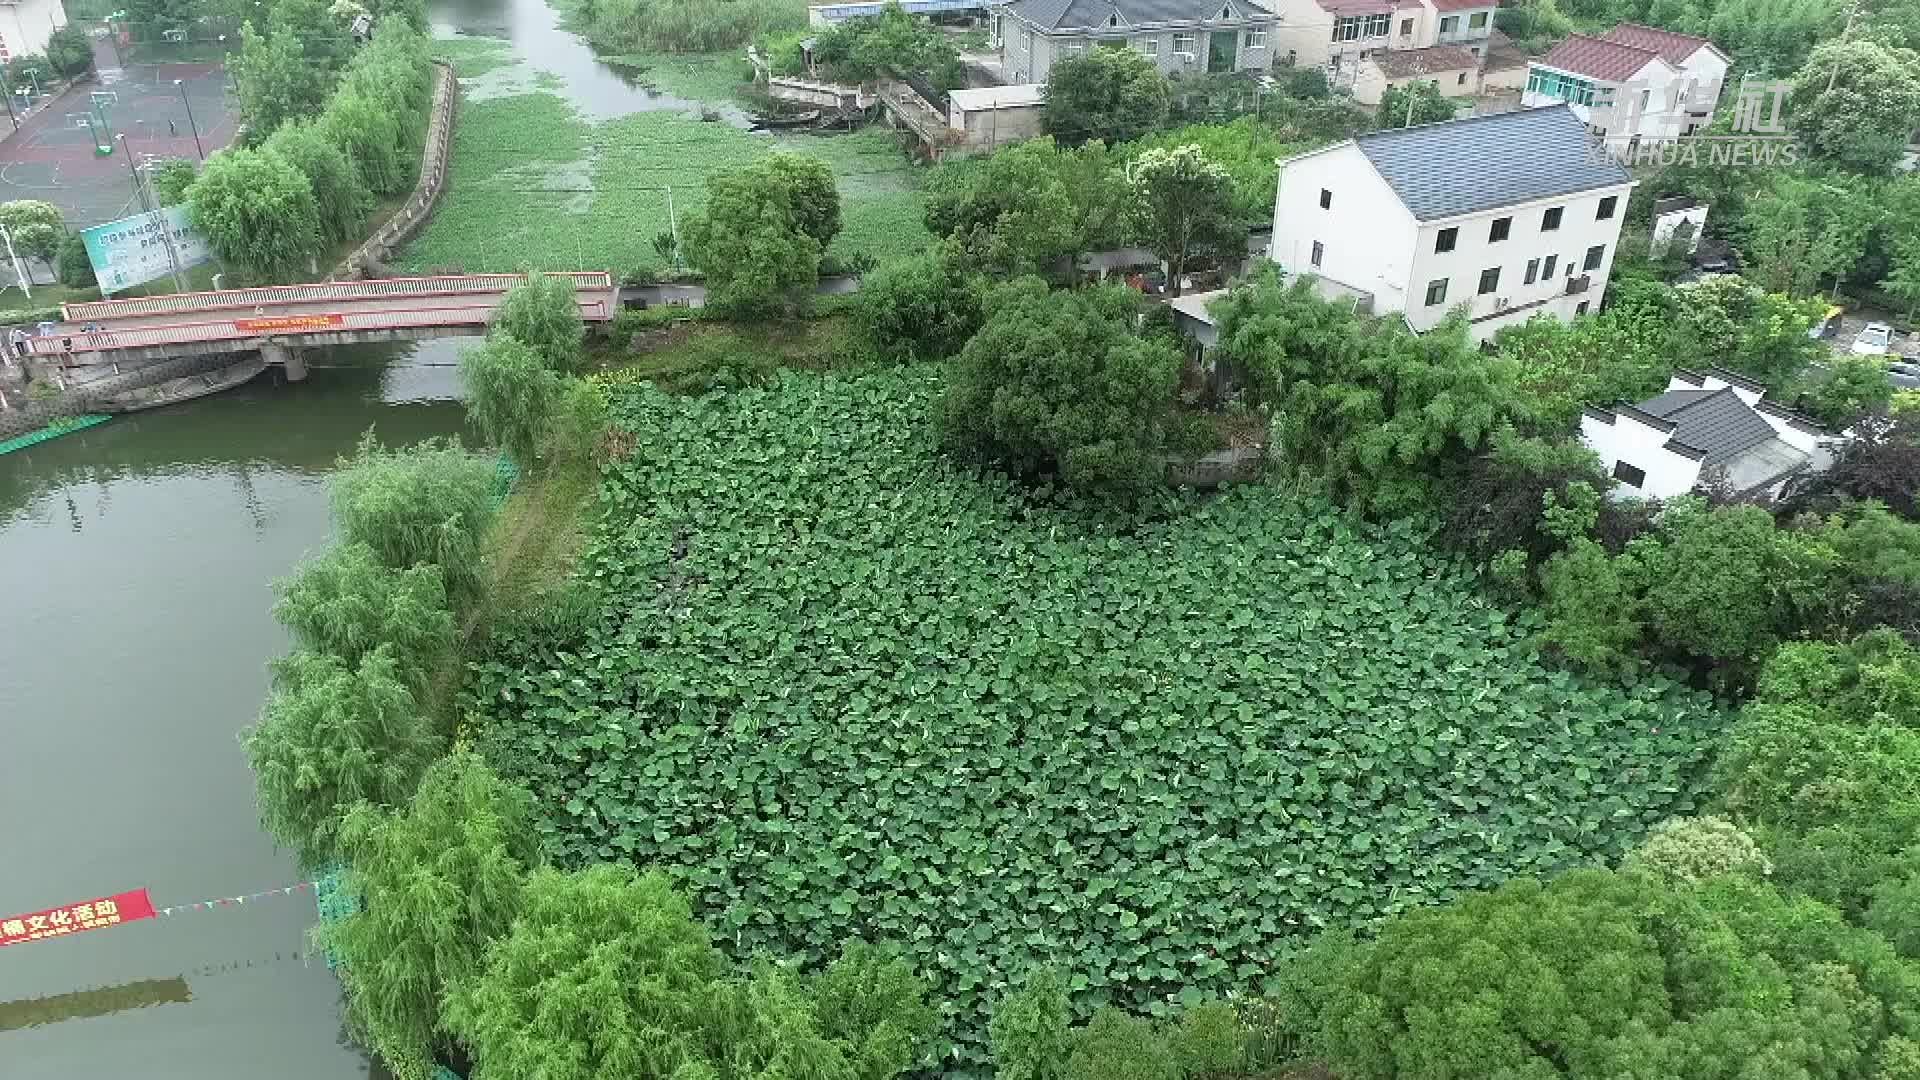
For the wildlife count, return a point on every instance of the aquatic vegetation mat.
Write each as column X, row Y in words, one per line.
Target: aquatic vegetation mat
column 841, row 689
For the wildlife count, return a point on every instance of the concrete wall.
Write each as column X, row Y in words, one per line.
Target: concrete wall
column 988, row 129
column 1371, row 83
column 26, row 25
column 1366, row 235
column 426, row 191
column 1616, row 436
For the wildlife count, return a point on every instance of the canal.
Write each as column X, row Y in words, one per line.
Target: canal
column 137, row 559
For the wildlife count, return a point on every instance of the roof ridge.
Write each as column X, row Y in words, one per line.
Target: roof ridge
column 1654, row 53
column 1705, row 396
column 1386, row 133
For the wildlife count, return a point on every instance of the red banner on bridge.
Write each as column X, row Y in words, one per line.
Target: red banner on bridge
column 274, row 323
column 73, row 918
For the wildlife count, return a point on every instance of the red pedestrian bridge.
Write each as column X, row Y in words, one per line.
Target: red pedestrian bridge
column 278, row 320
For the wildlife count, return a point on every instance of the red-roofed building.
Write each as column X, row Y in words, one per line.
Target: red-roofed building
column 1702, row 64
column 1622, row 92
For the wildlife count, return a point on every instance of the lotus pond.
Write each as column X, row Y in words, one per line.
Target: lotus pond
column 840, row 688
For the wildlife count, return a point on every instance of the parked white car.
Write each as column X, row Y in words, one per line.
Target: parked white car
column 1875, row 340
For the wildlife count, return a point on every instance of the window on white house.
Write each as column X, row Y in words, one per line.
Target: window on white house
column 1436, row 292
column 1546, row 272
column 1449, row 24
column 1595, row 255
column 1580, row 308
column 1477, row 20
column 1533, row 271
column 1406, row 27
column 1319, row 249
column 1489, row 280
column 1445, row 239
column 1606, row 207
column 1148, row 46
column 1378, row 25
column 1184, row 43
column 1346, row 28
column 1326, row 199
column 1460, row 79
column 1630, row 475
column 1501, row 228
column 1256, row 39
column 1550, row 220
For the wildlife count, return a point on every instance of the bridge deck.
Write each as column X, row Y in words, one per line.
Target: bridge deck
column 95, row 311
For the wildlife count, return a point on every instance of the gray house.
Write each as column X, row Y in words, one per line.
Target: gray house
column 1180, row 36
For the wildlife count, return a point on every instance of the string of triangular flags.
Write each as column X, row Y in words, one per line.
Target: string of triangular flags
column 228, row 901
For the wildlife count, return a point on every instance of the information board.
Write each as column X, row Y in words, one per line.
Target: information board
column 133, row 250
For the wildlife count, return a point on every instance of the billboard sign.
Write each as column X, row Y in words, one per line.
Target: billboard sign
column 133, row 250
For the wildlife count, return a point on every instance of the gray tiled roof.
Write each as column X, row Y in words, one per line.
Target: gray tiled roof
column 1715, row 421
column 1093, row 14
column 1486, row 162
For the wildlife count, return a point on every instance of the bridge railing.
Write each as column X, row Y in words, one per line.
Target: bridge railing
column 289, row 327
column 272, row 295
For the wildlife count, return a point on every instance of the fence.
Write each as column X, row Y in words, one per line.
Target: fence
column 426, row 192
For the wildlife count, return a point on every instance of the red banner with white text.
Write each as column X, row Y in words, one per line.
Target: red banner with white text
column 74, row 918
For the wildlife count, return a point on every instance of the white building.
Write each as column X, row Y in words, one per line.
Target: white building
column 1507, row 216
column 1706, row 426
column 1339, row 34
column 1181, row 37
column 994, row 116
column 1636, row 84
column 1452, row 69
column 25, row 26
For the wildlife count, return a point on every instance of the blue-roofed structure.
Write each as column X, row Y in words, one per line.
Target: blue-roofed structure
column 1485, row 162
column 830, row 14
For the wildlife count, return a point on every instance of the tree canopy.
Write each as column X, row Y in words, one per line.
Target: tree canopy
column 512, row 394
column 36, row 227
column 427, row 504
column 346, row 603
column 257, row 211
column 1033, row 208
column 764, row 228
column 542, row 314
column 1108, row 94
column 1412, row 104
column 1862, row 120
column 1183, row 207
column 1060, row 384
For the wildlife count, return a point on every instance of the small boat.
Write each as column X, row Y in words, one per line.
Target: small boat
column 184, row 388
column 788, row 120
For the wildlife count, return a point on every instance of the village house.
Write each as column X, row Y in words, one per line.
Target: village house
column 1340, row 35
column 1181, row 37
column 1454, row 70
column 1708, row 427
column 1506, row 216
column 1635, row 84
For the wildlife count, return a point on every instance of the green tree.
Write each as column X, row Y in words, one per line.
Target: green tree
column 541, row 313
column 1118, row 1046
column 1727, row 321
column 1903, row 274
column 890, row 43
column 332, row 736
column 1799, row 231
column 152, row 17
column 325, row 39
column 76, row 269
column 1412, row 104
column 1059, row 384
column 1895, row 23
column 429, row 503
column 346, row 603
column 371, row 133
column 438, row 879
column 1618, row 355
column 1855, row 101
column 1031, row 208
column 340, row 195
column 69, row 52
column 1682, row 851
column 257, row 211
column 1246, row 147
column 276, row 80
column 1183, row 207
column 924, row 308
column 171, row 178
column 1849, row 388
column 1108, row 94
column 1029, row 1029
column 1771, row 37
column 759, row 241
column 35, row 227
column 871, row 1005
column 511, row 394
column 1388, row 418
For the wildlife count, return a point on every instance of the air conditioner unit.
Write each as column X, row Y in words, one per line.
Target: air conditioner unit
column 1186, row 57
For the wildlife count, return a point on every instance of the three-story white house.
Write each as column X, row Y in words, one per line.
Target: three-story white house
column 1506, row 216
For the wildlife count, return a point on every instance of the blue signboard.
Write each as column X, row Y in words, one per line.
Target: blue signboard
column 133, row 250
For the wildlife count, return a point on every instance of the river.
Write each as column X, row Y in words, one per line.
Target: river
column 135, row 565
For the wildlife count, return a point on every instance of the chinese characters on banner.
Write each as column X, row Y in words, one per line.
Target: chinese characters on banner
column 73, row 918
column 288, row 322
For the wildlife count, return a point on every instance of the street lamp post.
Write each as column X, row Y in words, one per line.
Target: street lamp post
column 155, row 217
column 195, row 128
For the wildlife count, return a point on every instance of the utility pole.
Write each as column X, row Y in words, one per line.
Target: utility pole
column 1409, row 89
column 181, row 85
column 18, row 270
column 145, row 195
column 1853, row 13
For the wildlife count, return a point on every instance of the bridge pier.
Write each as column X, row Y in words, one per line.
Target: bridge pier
column 287, row 356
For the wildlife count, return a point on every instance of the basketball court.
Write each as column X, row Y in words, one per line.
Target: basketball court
column 52, row 155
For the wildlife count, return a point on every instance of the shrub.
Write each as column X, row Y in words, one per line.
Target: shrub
column 765, row 226
column 1029, row 1030
column 438, row 879
column 1058, row 384
column 1209, row 1041
column 332, row 736
column 346, row 604
column 542, row 314
column 1118, row 1046
column 1107, row 94
column 1682, row 851
column 429, row 503
column 69, row 52
column 75, row 269
column 870, row 1002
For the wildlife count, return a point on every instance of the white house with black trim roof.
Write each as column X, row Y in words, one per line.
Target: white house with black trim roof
column 1506, row 216
column 1179, row 36
column 1711, row 425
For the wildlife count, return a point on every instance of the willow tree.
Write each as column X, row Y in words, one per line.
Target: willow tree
column 438, row 880
column 346, row 603
column 428, row 503
column 542, row 314
column 333, row 735
column 511, row 395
